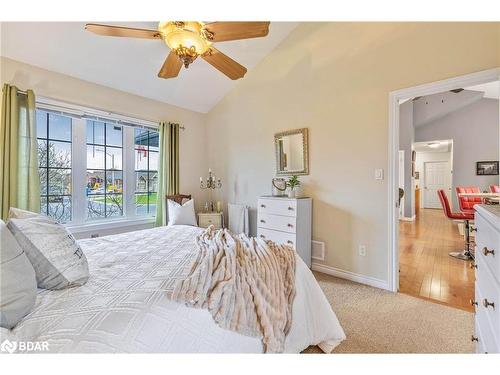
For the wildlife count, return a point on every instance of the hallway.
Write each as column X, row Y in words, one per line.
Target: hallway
column 426, row 269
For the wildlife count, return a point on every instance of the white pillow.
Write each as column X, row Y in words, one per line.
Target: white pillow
column 17, row 213
column 57, row 259
column 17, row 280
column 181, row 214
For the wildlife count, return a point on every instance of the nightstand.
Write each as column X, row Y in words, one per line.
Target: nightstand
column 205, row 219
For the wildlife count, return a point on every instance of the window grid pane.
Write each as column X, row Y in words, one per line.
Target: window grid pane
column 54, row 134
column 146, row 165
column 104, row 170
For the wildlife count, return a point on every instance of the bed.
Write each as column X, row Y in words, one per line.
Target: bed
column 124, row 308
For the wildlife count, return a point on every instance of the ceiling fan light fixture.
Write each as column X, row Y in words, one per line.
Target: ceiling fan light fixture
column 187, row 39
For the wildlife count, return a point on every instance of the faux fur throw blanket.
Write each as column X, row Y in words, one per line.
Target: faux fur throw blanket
column 247, row 284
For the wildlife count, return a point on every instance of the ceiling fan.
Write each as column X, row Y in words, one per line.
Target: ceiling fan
column 188, row 40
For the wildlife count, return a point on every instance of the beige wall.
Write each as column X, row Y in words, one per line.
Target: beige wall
column 334, row 78
column 62, row 87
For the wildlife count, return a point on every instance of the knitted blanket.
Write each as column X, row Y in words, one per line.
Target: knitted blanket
column 247, row 285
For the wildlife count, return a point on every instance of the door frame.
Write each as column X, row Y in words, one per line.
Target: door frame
column 447, row 162
column 472, row 79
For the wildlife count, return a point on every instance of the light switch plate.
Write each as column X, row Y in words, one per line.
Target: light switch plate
column 379, row 174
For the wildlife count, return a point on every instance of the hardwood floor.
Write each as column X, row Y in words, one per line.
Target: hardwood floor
column 426, row 269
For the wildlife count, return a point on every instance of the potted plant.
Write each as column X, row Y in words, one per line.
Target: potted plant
column 293, row 182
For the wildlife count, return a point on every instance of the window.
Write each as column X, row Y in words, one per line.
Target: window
column 104, row 188
column 146, row 171
column 94, row 169
column 54, row 134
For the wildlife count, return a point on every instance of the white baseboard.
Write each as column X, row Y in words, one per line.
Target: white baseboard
column 348, row 275
column 404, row 218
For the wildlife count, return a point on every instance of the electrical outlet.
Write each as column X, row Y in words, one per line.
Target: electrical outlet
column 362, row 250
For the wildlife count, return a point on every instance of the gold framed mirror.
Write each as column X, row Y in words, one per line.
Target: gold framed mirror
column 292, row 152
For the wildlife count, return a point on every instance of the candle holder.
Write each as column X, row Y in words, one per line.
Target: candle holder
column 211, row 182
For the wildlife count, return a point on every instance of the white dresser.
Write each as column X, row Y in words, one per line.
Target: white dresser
column 286, row 220
column 487, row 297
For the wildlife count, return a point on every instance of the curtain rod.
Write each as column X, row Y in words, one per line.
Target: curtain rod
column 24, row 92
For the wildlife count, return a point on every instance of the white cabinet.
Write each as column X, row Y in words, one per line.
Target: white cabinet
column 487, row 299
column 286, row 220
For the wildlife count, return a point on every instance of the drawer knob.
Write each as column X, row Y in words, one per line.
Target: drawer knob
column 473, row 265
column 290, row 242
column 290, row 208
column 487, row 303
column 472, row 302
column 290, row 225
column 262, row 221
column 263, row 206
column 474, row 338
column 487, row 251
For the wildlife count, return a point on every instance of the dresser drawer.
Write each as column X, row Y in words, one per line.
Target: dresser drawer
column 275, row 236
column 486, row 343
column 204, row 221
column 488, row 241
column 277, row 222
column 285, row 207
column 487, row 293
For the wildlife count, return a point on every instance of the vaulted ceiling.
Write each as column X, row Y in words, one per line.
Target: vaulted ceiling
column 132, row 65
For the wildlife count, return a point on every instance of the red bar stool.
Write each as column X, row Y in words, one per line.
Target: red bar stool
column 467, row 204
column 466, row 217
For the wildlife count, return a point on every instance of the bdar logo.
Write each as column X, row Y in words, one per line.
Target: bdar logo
column 8, row 346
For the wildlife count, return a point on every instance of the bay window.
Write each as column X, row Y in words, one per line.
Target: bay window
column 95, row 169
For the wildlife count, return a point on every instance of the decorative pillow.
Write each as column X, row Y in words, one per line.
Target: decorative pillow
column 181, row 214
column 17, row 213
column 57, row 259
column 17, row 280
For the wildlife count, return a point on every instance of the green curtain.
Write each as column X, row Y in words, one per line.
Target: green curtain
column 168, row 168
column 19, row 179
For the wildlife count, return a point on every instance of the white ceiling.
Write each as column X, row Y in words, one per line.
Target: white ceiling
column 491, row 89
column 438, row 146
column 132, row 65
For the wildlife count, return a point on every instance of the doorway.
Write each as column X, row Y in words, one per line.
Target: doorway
column 433, row 170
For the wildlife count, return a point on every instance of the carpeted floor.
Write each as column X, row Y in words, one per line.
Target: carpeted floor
column 377, row 321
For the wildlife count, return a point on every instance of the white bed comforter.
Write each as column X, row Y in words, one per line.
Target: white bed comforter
column 124, row 306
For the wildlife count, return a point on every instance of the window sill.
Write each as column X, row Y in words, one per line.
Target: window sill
column 109, row 224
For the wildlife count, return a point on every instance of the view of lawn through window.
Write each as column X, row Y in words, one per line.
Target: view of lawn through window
column 104, row 170
column 54, row 155
column 146, row 171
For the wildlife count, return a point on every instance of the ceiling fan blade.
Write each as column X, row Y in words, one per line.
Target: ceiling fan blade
column 224, row 31
column 171, row 67
column 109, row 30
column 224, row 63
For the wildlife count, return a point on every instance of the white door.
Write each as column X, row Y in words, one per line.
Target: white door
column 437, row 176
